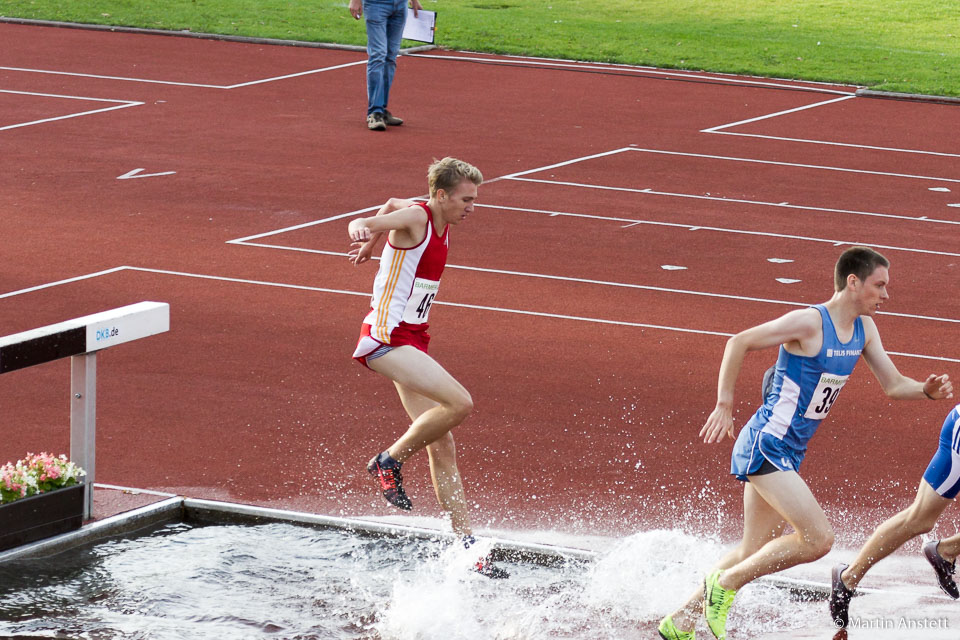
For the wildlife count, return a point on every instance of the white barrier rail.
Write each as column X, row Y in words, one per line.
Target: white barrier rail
column 80, row 339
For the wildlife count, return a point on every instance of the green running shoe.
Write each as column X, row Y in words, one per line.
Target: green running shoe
column 716, row 604
column 669, row 631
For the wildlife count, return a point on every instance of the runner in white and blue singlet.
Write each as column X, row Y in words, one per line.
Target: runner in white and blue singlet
column 819, row 348
column 803, row 391
column 938, row 488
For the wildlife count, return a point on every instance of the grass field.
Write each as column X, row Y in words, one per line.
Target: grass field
column 895, row 45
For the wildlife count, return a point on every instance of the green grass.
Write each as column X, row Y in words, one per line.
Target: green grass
column 894, row 45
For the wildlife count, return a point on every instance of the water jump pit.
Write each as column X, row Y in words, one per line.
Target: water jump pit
column 197, row 568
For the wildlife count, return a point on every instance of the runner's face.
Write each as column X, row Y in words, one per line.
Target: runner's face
column 458, row 204
column 873, row 291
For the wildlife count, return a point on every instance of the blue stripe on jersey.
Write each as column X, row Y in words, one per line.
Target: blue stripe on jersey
column 784, row 413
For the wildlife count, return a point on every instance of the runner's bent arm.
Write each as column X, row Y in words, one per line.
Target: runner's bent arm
column 363, row 251
column 801, row 328
column 407, row 226
column 895, row 384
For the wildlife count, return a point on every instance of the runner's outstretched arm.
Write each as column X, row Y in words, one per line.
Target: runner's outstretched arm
column 895, row 384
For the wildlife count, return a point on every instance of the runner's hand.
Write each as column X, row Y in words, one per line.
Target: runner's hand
column 360, row 252
column 719, row 423
column 938, row 387
column 358, row 231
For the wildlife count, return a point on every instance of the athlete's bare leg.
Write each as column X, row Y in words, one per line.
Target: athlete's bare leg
column 443, row 464
column 418, row 373
column 949, row 548
column 917, row 519
column 761, row 524
column 788, row 495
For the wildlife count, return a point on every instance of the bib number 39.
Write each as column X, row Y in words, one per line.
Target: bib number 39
column 417, row 310
column 824, row 395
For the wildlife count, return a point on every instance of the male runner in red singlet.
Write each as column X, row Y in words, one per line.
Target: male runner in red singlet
column 393, row 340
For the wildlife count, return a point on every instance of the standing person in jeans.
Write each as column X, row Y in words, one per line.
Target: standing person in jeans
column 385, row 20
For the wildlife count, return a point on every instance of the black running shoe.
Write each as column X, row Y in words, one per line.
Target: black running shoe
column 839, row 598
column 391, row 483
column 943, row 568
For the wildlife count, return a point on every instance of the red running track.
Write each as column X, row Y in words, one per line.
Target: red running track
column 585, row 307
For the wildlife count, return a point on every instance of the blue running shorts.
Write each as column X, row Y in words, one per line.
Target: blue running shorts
column 943, row 472
column 753, row 447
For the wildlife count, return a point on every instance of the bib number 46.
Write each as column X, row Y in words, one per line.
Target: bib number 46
column 421, row 299
column 423, row 309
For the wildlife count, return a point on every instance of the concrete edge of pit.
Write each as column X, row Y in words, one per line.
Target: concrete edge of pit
column 123, row 524
column 214, row 512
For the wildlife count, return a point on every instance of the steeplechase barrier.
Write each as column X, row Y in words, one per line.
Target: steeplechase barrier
column 80, row 339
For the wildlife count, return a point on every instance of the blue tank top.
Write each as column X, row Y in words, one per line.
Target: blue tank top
column 805, row 387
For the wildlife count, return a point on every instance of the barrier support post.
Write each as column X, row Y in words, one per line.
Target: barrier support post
column 83, row 422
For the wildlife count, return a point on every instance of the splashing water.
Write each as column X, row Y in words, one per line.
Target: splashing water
column 287, row 581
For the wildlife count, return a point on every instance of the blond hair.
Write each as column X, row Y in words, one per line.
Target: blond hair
column 448, row 173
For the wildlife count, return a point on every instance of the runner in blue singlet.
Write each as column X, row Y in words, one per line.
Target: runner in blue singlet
column 819, row 347
column 937, row 490
column 803, row 390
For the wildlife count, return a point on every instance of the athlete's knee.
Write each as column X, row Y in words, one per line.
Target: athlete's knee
column 817, row 543
column 460, row 406
column 918, row 523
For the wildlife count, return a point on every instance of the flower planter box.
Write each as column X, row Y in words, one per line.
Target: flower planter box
column 41, row 516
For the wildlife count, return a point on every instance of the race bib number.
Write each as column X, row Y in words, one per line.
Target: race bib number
column 825, row 395
column 418, row 306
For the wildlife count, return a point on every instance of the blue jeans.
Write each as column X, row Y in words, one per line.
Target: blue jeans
column 385, row 20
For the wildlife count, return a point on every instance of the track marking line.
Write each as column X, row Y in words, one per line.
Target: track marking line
column 60, row 282
column 761, row 203
column 718, row 130
column 294, row 75
column 605, row 283
column 794, row 164
column 136, row 173
column 642, row 71
column 197, row 85
column 118, row 104
column 366, row 294
column 604, row 154
column 838, row 144
column 102, row 77
column 775, row 115
column 304, row 225
column 245, row 240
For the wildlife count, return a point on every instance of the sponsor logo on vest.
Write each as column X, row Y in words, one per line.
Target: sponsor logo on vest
column 843, row 353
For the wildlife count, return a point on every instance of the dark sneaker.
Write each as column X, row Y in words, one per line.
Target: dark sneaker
column 840, row 597
column 943, row 568
column 391, row 482
column 486, row 568
column 375, row 122
column 391, row 119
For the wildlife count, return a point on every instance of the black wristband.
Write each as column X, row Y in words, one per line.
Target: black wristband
column 927, row 394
